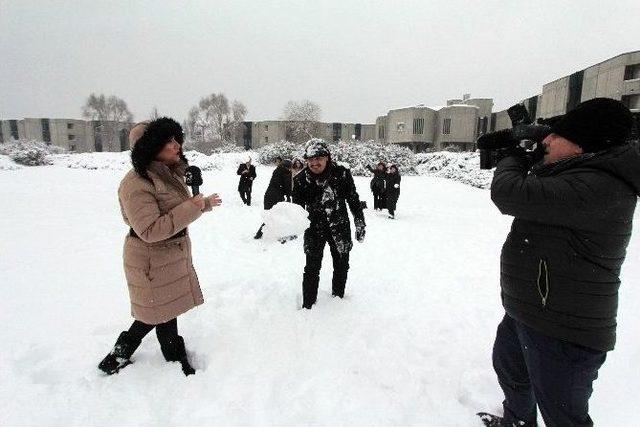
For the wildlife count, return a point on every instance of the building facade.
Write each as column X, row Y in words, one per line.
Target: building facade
column 71, row 134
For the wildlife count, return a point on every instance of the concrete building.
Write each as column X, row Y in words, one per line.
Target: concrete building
column 616, row 78
column 71, row 134
column 260, row 133
column 458, row 124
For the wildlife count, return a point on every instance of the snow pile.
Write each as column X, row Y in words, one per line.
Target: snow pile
column 463, row 167
column 94, row 161
column 283, row 220
column 7, row 164
column 357, row 155
column 29, row 153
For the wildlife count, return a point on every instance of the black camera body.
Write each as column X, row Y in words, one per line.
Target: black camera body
column 524, row 133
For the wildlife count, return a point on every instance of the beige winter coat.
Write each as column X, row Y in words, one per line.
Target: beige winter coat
column 160, row 275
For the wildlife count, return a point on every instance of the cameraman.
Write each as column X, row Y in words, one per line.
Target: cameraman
column 561, row 262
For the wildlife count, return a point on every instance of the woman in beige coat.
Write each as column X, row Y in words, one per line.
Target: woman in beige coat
column 156, row 205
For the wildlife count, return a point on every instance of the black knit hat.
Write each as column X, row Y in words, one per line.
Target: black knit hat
column 596, row 125
column 316, row 147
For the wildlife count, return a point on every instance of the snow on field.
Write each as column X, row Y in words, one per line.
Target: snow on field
column 409, row 346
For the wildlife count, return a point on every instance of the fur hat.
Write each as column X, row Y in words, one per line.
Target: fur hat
column 136, row 132
column 316, row 148
column 596, row 125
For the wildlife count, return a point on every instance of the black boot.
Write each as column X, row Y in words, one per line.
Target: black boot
column 174, row 351
column 121, row 354
column 259, row 233
column 491, row 420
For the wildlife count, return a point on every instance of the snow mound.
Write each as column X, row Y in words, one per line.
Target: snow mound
column 6, row 164
column 463, row 167
column 94, row 161
column 283, row 220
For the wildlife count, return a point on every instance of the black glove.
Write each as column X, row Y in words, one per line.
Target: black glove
column 360, row 231
column 529, row 157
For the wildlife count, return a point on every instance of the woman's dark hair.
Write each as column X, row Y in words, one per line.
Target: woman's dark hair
column 157, row 134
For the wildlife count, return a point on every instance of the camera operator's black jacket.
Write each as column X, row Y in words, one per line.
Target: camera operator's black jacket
column 561, row 262
column 325, row 198
column 279, row 188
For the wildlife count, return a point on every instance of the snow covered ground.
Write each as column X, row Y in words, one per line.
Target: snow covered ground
column 409, row 346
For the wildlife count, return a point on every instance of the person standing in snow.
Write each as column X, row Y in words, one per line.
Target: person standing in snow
column 561, row 262
column 279, row 189
column 378, row 185
column 156, row 205
column 247, row 174
column 325, row 189
column 392, row 192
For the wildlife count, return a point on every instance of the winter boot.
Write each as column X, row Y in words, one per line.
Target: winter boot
column 259, row 233
column 174, row 351
column 490, row 420
column 120, row 356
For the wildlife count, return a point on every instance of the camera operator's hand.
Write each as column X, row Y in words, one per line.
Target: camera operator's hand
column 360, row 231
column 198, row 201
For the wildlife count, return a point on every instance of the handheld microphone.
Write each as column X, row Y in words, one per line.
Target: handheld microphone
column 193, row 178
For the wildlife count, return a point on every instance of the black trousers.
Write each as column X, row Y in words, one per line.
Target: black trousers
column 245, row 194
column 378, row 200
column 167, row 333
column 311, row 278
column 536, row 368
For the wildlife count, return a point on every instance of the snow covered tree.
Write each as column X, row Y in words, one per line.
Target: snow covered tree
column 302, row 120
column 111, row 116
column 213, row 121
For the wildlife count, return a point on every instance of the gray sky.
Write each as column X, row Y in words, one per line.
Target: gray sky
column 356, row 59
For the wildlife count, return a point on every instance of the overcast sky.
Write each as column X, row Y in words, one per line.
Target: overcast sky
column 356, row 59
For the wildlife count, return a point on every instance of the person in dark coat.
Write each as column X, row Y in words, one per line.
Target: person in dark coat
column 325, row 189
column 560, row 265
column 279, row 189
column 378, row 185
column 247, row 174
column 392, row 192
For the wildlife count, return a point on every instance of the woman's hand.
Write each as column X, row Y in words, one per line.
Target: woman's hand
column 198, row 201
column 214, row 200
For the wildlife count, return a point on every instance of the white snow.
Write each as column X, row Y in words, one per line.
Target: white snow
column 409, row 346
column 285, row 220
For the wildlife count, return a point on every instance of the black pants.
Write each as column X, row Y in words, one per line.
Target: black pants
column 535, row 368
column 167, row 333
column 245, row 194
column 378, row 200
column 311, row 278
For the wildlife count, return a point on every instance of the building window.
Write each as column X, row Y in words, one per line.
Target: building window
column 632, row 102
column 266, row 139
column 446, row 126
column 69, row 126
column 418, row 126
column 1, row 135
column 266, row 128
column 632, row 72
column 400, row 126
column 13, row 128
column 72, row 137
column 46, row 131
column 72, row 147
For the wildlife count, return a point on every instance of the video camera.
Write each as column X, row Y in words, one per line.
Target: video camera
column 524, row 133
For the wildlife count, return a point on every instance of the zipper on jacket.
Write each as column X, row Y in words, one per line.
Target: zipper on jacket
column 543, row 273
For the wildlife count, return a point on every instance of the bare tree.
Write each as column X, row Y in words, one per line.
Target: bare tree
column 111, row 118
column 154, row 113
column 213, row 121
column 302, row 120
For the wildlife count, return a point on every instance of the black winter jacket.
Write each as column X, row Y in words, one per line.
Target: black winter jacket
column 392, row 193
column 326, row 200
column 246, row 180
column 560, row 264
column 279, row 188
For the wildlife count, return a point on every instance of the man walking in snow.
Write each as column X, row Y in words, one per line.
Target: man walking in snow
column 560, row 264
column 324, row 189
column 247, row 174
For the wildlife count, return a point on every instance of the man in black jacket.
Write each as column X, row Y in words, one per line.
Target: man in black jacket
column 247, row 174
column 561, row 262
column 324, row 189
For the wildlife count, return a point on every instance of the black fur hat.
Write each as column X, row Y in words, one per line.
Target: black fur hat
column 596, row 125
column 156, row 135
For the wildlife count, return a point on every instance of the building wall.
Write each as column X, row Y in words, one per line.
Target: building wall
column 368, row 132
column 462, row 130
column 267, row 132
